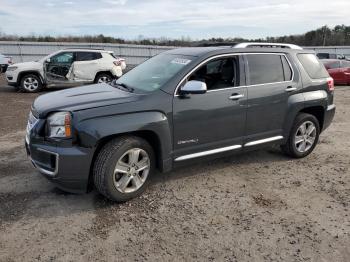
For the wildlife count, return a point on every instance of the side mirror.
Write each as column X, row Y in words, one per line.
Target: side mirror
column 48, row 60
column 194, row 87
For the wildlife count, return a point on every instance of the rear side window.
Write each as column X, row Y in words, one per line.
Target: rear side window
column 267, row 68
column 345, row 64
column 288, row 73
column 87, row 56
column 312, row 65
column 332, row 65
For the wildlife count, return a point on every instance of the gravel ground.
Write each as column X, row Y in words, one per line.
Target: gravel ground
column 260, row 206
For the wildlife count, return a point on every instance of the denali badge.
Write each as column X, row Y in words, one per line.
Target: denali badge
column 187, row 141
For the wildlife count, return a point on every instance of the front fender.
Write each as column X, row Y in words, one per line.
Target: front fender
column 92, row 130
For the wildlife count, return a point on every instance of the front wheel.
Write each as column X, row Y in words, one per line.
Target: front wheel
column 303, row 136
column 30, row 83
column 123, row 168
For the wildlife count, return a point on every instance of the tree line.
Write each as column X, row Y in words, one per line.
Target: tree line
column 323, row 36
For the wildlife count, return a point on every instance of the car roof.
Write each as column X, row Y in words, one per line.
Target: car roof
column 87, row 50
column 195, row 51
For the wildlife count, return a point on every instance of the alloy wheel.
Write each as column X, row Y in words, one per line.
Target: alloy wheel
column 131, row 170
column 305, row 136
column 30, row 84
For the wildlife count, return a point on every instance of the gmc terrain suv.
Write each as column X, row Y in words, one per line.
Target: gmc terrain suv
column 178, row 106
column 68, row 67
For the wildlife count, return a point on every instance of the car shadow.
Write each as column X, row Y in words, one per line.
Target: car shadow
column 263, row 156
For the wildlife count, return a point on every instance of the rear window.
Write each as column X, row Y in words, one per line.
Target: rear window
column 312, row 66
column 267, row 68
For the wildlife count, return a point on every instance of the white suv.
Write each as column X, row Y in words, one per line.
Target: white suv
column 69, row 67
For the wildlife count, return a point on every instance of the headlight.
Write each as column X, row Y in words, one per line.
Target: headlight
column 12, row 68
column 59, row 125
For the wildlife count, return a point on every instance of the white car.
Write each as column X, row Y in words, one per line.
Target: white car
column 5, row 61
column 69, row 67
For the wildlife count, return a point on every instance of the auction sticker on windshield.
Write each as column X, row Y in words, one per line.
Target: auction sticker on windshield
column 181, row 61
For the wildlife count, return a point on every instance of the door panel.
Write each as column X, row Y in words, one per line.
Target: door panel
column 215, row 119
column 337, row 74
column 267, row 109
column 209, row 121
column 84, row 70
column 270, row 76
column 57, row 70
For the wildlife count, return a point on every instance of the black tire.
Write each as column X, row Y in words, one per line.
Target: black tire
column 25, row 85
column 105, row 163
column 290, row 147
column 107, row 76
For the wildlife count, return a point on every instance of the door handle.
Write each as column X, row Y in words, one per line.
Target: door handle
column 290, row 89
column 236, row 96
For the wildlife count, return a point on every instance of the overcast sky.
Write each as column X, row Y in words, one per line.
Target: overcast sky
column 156, row 18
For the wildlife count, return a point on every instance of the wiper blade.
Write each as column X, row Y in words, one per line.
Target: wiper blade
column 130, row 89
column 124, row 86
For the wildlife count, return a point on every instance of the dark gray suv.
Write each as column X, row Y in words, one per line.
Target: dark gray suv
column 178, row 106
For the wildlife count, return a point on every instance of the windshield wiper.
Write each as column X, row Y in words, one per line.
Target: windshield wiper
column 124, row 86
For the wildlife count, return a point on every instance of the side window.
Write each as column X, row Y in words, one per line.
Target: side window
column 87, row 56
column 345, row 64
column 64, row 58
column 288, row 73
column 312, row 66
column 322, row 55
column 218, row 73
column 265, row 68
column 333, row 65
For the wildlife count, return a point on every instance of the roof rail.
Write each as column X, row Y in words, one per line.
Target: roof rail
column 271, row 45
column 210, row 44
column 83, row 48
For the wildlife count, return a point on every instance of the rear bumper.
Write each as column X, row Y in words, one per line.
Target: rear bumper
column 67, row 168
column 328, row 117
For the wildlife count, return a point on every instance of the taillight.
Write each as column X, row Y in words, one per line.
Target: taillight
column 330, row 82
column 117, row 63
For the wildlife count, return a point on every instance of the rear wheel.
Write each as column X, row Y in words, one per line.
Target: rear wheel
column 123, row 168
column 30, row 83
column 303, row 136
column 103, row 78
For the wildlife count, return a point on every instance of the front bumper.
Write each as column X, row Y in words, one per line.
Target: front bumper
column 328, row 116
column 11, row 77
column 67, row 167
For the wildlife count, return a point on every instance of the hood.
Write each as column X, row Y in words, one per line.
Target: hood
column 79, row 98
column 29, row 65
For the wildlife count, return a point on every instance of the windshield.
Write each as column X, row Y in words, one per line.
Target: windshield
column 155, row 72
